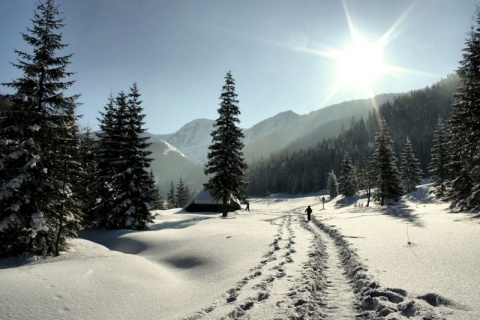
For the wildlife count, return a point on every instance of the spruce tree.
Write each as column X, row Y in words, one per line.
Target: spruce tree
column 38, row 145
column 347, row 182
column 87, row 180
column 226, row 164
column 131, row 205
column 171, row 197
column 438, row 165
column 464, row 134
column 410, row 172
column 106, row 152
column 158, row 203
column 387, row 178
column 332, row 185
column 123, row 189
column 182, row 193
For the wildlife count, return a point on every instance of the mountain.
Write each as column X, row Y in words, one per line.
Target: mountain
column 280, row 122
column 184, row 152
column 193, row 139
column 293, row 132
column 169, row 164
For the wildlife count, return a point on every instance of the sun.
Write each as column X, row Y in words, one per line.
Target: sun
column 360, row 64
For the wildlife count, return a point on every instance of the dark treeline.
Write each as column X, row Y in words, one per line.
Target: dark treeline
column 413, row 115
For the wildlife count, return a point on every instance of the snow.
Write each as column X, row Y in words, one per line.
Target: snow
column 170, row 148
column 412, row 260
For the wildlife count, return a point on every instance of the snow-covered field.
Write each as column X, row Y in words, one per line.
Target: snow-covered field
column 413, row 260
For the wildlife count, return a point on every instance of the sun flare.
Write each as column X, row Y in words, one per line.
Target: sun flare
column 360, row 65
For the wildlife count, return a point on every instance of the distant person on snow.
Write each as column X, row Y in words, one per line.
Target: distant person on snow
column 309, row 212
column 248, row 206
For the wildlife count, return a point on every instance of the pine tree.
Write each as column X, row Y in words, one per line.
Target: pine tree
column 347, row 182
column 123, row 188
column 38, row 145
column 410, row 172
column 438, row 166
column 225, row 157
column 385, row 167
column 87, row 180
column 131, row 206
column 464, row 135
column 106, row 152
column 332, row 185
column 182, row 193
column 171, row 197
column 158, row 203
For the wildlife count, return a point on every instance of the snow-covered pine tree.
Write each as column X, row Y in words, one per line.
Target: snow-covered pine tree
column 66, row 212
column 158, row 202
column 464, row 134
column 332, row 185
column 410, row 172
column 438, row 165
column 38, row 209
column 182, row 193
column 385, row 167
column 226, row 163
column 87, row 180
column 347, row 182
column 171, row 197
column 131, row 206
column 106, row 152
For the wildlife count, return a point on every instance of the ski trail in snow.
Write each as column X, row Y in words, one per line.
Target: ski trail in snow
column 300, row 277
column 338, row 293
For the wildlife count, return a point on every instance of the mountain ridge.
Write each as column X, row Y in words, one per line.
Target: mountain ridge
column 286, row 129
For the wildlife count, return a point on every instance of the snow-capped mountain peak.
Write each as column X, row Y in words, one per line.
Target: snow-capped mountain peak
column 193, row 139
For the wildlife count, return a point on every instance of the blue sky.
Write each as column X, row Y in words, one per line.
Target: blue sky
column 283, row 54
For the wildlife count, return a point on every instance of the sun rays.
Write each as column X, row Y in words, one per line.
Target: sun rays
column 361, row 64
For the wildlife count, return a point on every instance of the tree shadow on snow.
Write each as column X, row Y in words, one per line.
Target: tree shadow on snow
column 181, row 224
column 402, row 211
column 112, row 239
column 345, row 202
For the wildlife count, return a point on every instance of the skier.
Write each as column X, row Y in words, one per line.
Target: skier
column 309, row 212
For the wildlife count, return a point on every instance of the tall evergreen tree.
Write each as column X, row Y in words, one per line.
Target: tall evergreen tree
column 158, row 202
column 182, row 193
column 347, row 182
column 87, row 180
column 123, row 188
column 385, row 167
column 332, row 185
column 464, row 135
column 438, row 166
column 106, row 152
column 131, row 206
column 171, row 197
column 226, row 163
column 410, row 172
column 38, row 145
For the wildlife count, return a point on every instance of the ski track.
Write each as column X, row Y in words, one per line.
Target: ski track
column 276, row 289
column 339, row 296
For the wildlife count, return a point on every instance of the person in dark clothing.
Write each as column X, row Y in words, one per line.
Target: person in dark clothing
column 309, row 213
column 248, row 206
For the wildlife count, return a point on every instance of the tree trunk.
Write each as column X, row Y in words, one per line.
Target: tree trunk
column 225, row 207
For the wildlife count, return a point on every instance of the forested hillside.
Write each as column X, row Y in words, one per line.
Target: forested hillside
column 413, row 115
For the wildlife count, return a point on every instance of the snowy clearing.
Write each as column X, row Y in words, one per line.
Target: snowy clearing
column 414, row 260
